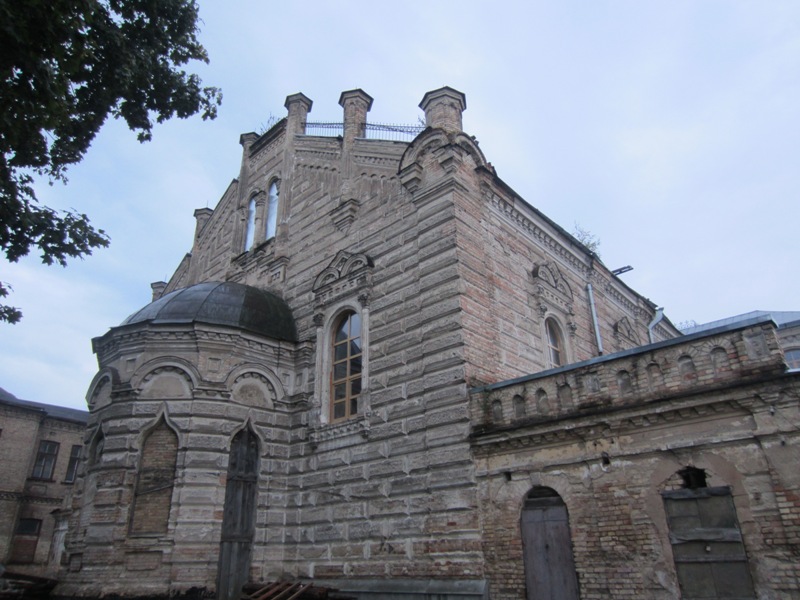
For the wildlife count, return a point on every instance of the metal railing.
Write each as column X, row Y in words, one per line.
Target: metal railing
column 374, row 131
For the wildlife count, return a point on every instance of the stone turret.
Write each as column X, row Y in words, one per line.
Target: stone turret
column 298, row 105
column 443, row 108
column 356, row 104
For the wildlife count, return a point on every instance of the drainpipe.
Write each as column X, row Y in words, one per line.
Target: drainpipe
column 594, row 320
column 654, row 322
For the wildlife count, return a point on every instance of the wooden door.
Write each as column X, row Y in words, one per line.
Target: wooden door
column 707, row 547
column 238, row 521
column 547, row 548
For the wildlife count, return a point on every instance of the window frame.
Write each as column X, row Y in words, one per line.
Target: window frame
column 72, row 466
column 792, row 357
column 553, row 329
column 24, row 543
column 343, row 357
column 45, row 465
column 325, row 323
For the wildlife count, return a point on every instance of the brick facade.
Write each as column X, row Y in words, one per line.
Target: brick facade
column 32, row 494
column 457, row 283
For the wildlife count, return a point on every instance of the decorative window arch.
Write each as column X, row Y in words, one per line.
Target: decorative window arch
column 556, row 348
column 341, row 295
column 250, row 230
column 156, row 477
column 271, row 219
column 346, row 371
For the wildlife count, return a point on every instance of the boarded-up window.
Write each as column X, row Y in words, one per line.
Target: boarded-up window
column 26, row 537
column 710, row 558
column 153, row 496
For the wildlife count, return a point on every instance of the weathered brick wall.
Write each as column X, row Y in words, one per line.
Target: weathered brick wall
column 26, row 498
column 610, row 459
column 155, row 479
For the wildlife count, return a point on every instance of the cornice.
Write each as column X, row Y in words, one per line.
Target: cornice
column 508, row 209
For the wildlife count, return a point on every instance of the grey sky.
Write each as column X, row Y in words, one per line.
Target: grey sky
column 670, row 130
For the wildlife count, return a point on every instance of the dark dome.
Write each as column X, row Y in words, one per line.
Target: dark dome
column 222, row 303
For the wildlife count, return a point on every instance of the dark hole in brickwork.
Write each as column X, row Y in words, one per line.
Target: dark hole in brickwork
column 693, row 478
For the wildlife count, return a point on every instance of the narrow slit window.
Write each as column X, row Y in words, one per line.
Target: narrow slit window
column 250, row 232
column 272, row 211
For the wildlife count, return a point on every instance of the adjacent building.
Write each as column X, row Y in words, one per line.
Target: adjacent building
column 381, row 369
column 40, row 453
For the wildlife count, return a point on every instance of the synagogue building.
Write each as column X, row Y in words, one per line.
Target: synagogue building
column 381, row 370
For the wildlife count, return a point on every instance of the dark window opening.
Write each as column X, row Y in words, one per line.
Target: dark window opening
column 45, row 460
column 693, row 478
column 26, row 537
column 72, row 466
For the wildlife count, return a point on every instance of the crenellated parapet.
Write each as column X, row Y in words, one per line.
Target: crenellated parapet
column 680, row 370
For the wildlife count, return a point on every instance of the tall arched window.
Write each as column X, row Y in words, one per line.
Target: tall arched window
column 153, row 494
column 555, row 343
column 346, row 366
column 272, row 211
column 250, row 232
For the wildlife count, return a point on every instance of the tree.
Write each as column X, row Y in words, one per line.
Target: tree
column 65, row 66
column 587, row 238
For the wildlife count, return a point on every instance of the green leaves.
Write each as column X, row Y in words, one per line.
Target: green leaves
column 65, row 65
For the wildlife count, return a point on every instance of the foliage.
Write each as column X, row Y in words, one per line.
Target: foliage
column 587, row 238
column 65, row 66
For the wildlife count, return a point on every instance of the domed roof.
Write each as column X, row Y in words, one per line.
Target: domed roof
column 222, row 303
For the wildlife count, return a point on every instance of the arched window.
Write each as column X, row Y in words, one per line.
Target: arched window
column 555, row 343
column 346, row 366
column 272, row 211
column 153, row 494
column 250, row 232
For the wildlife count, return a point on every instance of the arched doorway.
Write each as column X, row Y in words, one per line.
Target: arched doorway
column 547, row 547
column 238, row 521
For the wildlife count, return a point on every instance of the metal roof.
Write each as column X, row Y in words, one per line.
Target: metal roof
column 56, row 412
column 222, row 303
column 780, row 318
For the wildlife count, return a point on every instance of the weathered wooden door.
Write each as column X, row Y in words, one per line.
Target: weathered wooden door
column 547, row 548
column 238, row 521
column 710, row 558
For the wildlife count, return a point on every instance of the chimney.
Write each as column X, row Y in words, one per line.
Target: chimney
column 298, row 106
column 158, row 289
column 201, row 215
column 356, row 104
column 443, row 108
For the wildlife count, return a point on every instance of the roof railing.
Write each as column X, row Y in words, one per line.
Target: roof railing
column 374, row 131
